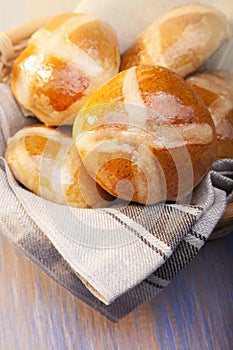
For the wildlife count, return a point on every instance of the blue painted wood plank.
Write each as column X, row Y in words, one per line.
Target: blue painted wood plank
column 193, row 312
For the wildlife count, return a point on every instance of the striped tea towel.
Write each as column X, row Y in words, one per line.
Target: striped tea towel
column 114, row 259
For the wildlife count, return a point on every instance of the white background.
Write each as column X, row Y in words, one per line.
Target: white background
column 16, row 12
column 128, row 17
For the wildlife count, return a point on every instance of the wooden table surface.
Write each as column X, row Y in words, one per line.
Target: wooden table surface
column 194, row 312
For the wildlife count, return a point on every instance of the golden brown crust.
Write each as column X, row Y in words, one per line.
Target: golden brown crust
column 216, row 90
column 182, row 39
column 64, row 86
column 151, row 143
column 46, row 162
column 133, row 55
column 172, row 29
column 167, row 84
column 207, row 96
column 97, row 39
column 106, row 95
column 63, row 63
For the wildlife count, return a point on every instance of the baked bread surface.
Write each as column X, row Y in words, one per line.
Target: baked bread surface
column 46, row 162
column 182, row 39
column 216, row 90
column 62, row 64
column 146, row 135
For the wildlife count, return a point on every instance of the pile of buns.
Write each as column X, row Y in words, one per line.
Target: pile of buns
column 144, row 127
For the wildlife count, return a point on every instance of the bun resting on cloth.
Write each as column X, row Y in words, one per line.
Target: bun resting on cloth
column 216, row 90
column 62, row 64
column 46, row 162
column 146, row 136
column 182, row 39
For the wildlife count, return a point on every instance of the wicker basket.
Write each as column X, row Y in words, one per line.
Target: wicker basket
column 15, row 40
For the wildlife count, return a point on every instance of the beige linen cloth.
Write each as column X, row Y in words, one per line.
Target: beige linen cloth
column 117, row 258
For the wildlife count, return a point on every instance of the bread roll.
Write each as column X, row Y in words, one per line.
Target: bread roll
column 216, row 90
column 182, row 40
column 146, row 136
column 47, row 163
column 62, row 64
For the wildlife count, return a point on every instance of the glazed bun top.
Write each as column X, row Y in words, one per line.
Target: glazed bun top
column 62, row 64
column 160, row 92
column 216, row 90
column 182, row 39
column 46, row 162
column 146, row 126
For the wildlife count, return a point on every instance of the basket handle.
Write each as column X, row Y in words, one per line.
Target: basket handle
column 24, row 31
column 14, row 41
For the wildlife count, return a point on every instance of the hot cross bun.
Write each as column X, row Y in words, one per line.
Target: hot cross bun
column 146, row 136
column 62, row 64
column 216, row 90
column 182, row 39
column 46, row 162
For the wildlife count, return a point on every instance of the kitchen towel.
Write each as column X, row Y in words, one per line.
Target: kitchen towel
column 114, row 258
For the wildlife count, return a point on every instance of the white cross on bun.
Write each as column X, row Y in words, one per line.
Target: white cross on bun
column 46, row 162
column 216, row 90
column 63, row 63
column 146, row 136
column 182, row 39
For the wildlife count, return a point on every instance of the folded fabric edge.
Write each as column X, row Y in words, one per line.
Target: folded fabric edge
column 100, row 308
column 91, row 281
column 98, row 290
column 114, row 315
column 93, row 285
